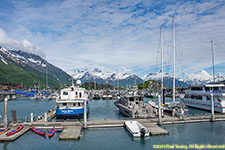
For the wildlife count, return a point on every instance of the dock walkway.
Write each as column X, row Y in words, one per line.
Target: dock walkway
column 13, row 137
column 70, row 133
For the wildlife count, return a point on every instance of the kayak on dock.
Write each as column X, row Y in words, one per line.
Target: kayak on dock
column 38, row 131
column 15, row 131
column 51, row 132
column 3, row 131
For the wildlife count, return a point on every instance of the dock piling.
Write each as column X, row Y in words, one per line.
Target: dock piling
column 31, row 117
column 159, row 110
column 45, row 117
column 85, row 113
column 212, row 108
column 5, row 116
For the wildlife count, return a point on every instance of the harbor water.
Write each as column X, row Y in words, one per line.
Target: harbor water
column 114, row 138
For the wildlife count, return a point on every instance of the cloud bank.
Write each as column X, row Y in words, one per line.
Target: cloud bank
column 117, row 34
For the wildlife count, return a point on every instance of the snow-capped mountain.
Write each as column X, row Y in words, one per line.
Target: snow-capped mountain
column 22, row 57
column 168, row 80
column 203, row 77
column 155, row 76
column 24, row 67
column 99, row 76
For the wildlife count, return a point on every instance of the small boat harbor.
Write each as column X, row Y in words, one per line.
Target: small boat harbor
column 143, row 119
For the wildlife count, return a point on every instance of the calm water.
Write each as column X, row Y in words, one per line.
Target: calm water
column 116, row 138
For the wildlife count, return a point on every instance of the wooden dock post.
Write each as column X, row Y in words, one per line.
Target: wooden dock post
column 5, row 116
column 212, row 108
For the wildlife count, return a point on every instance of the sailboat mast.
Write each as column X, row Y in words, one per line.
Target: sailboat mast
column 174, row 58
column 213, row 62
column 161, row 37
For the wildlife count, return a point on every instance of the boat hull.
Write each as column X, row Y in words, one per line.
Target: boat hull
column 204, row 105
column 51, row 132
column 70, row 113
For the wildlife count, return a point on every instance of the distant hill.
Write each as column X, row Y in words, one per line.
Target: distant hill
column 27, row 69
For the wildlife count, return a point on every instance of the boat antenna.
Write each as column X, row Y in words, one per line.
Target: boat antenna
column 174, row 58
column 213, row 62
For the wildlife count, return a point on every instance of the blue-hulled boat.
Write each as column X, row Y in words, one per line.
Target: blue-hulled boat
column 70, row 103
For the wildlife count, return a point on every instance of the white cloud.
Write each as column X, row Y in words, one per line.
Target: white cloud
column 24, row 45
column 119, row 34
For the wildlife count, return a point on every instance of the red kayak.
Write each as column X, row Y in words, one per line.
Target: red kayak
column 15, row 131
column 38, row 131
column 51, row 132
column 3, row 131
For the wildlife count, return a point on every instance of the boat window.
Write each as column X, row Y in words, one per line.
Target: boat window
column 141, row 99
column 196, row 88
column 198, row 97
column 187, row 96
column 215, row 88
column 64, row 104
column 74, row 104
column 78, row 104
column 207, row 88
column 80, row 94
column 131, row 99
column 76, row 93
column 208, row 97
column 65, row 93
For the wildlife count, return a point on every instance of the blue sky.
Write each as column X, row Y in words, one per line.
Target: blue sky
column 115, row 35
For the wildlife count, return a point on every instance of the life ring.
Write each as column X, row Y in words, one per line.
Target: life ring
column 149, row 106
column 76, row 96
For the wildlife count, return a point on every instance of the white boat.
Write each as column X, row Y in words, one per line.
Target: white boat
column 132, row 105
column 136, row 129
column 200, row 96
column 70, row 103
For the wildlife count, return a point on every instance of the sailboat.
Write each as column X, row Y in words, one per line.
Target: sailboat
column 175, row 108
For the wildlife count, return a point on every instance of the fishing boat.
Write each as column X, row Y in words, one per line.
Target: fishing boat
column 51, row 132
column 136, row 129
column 38, row 131
column 3, row 131
column 132, row 105
column 71, row 102
column 15, row 131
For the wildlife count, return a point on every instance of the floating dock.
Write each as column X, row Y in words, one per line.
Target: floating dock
column 13, row 137
column 155, row 129
column 70, row 133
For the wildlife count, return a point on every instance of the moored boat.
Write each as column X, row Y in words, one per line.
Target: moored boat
column 199, row 97
column 132, row 105
column 40, row 132
column 136, row 129
column 51, row 132
column 15, row 131
column 3, row 131
column 71, row 102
